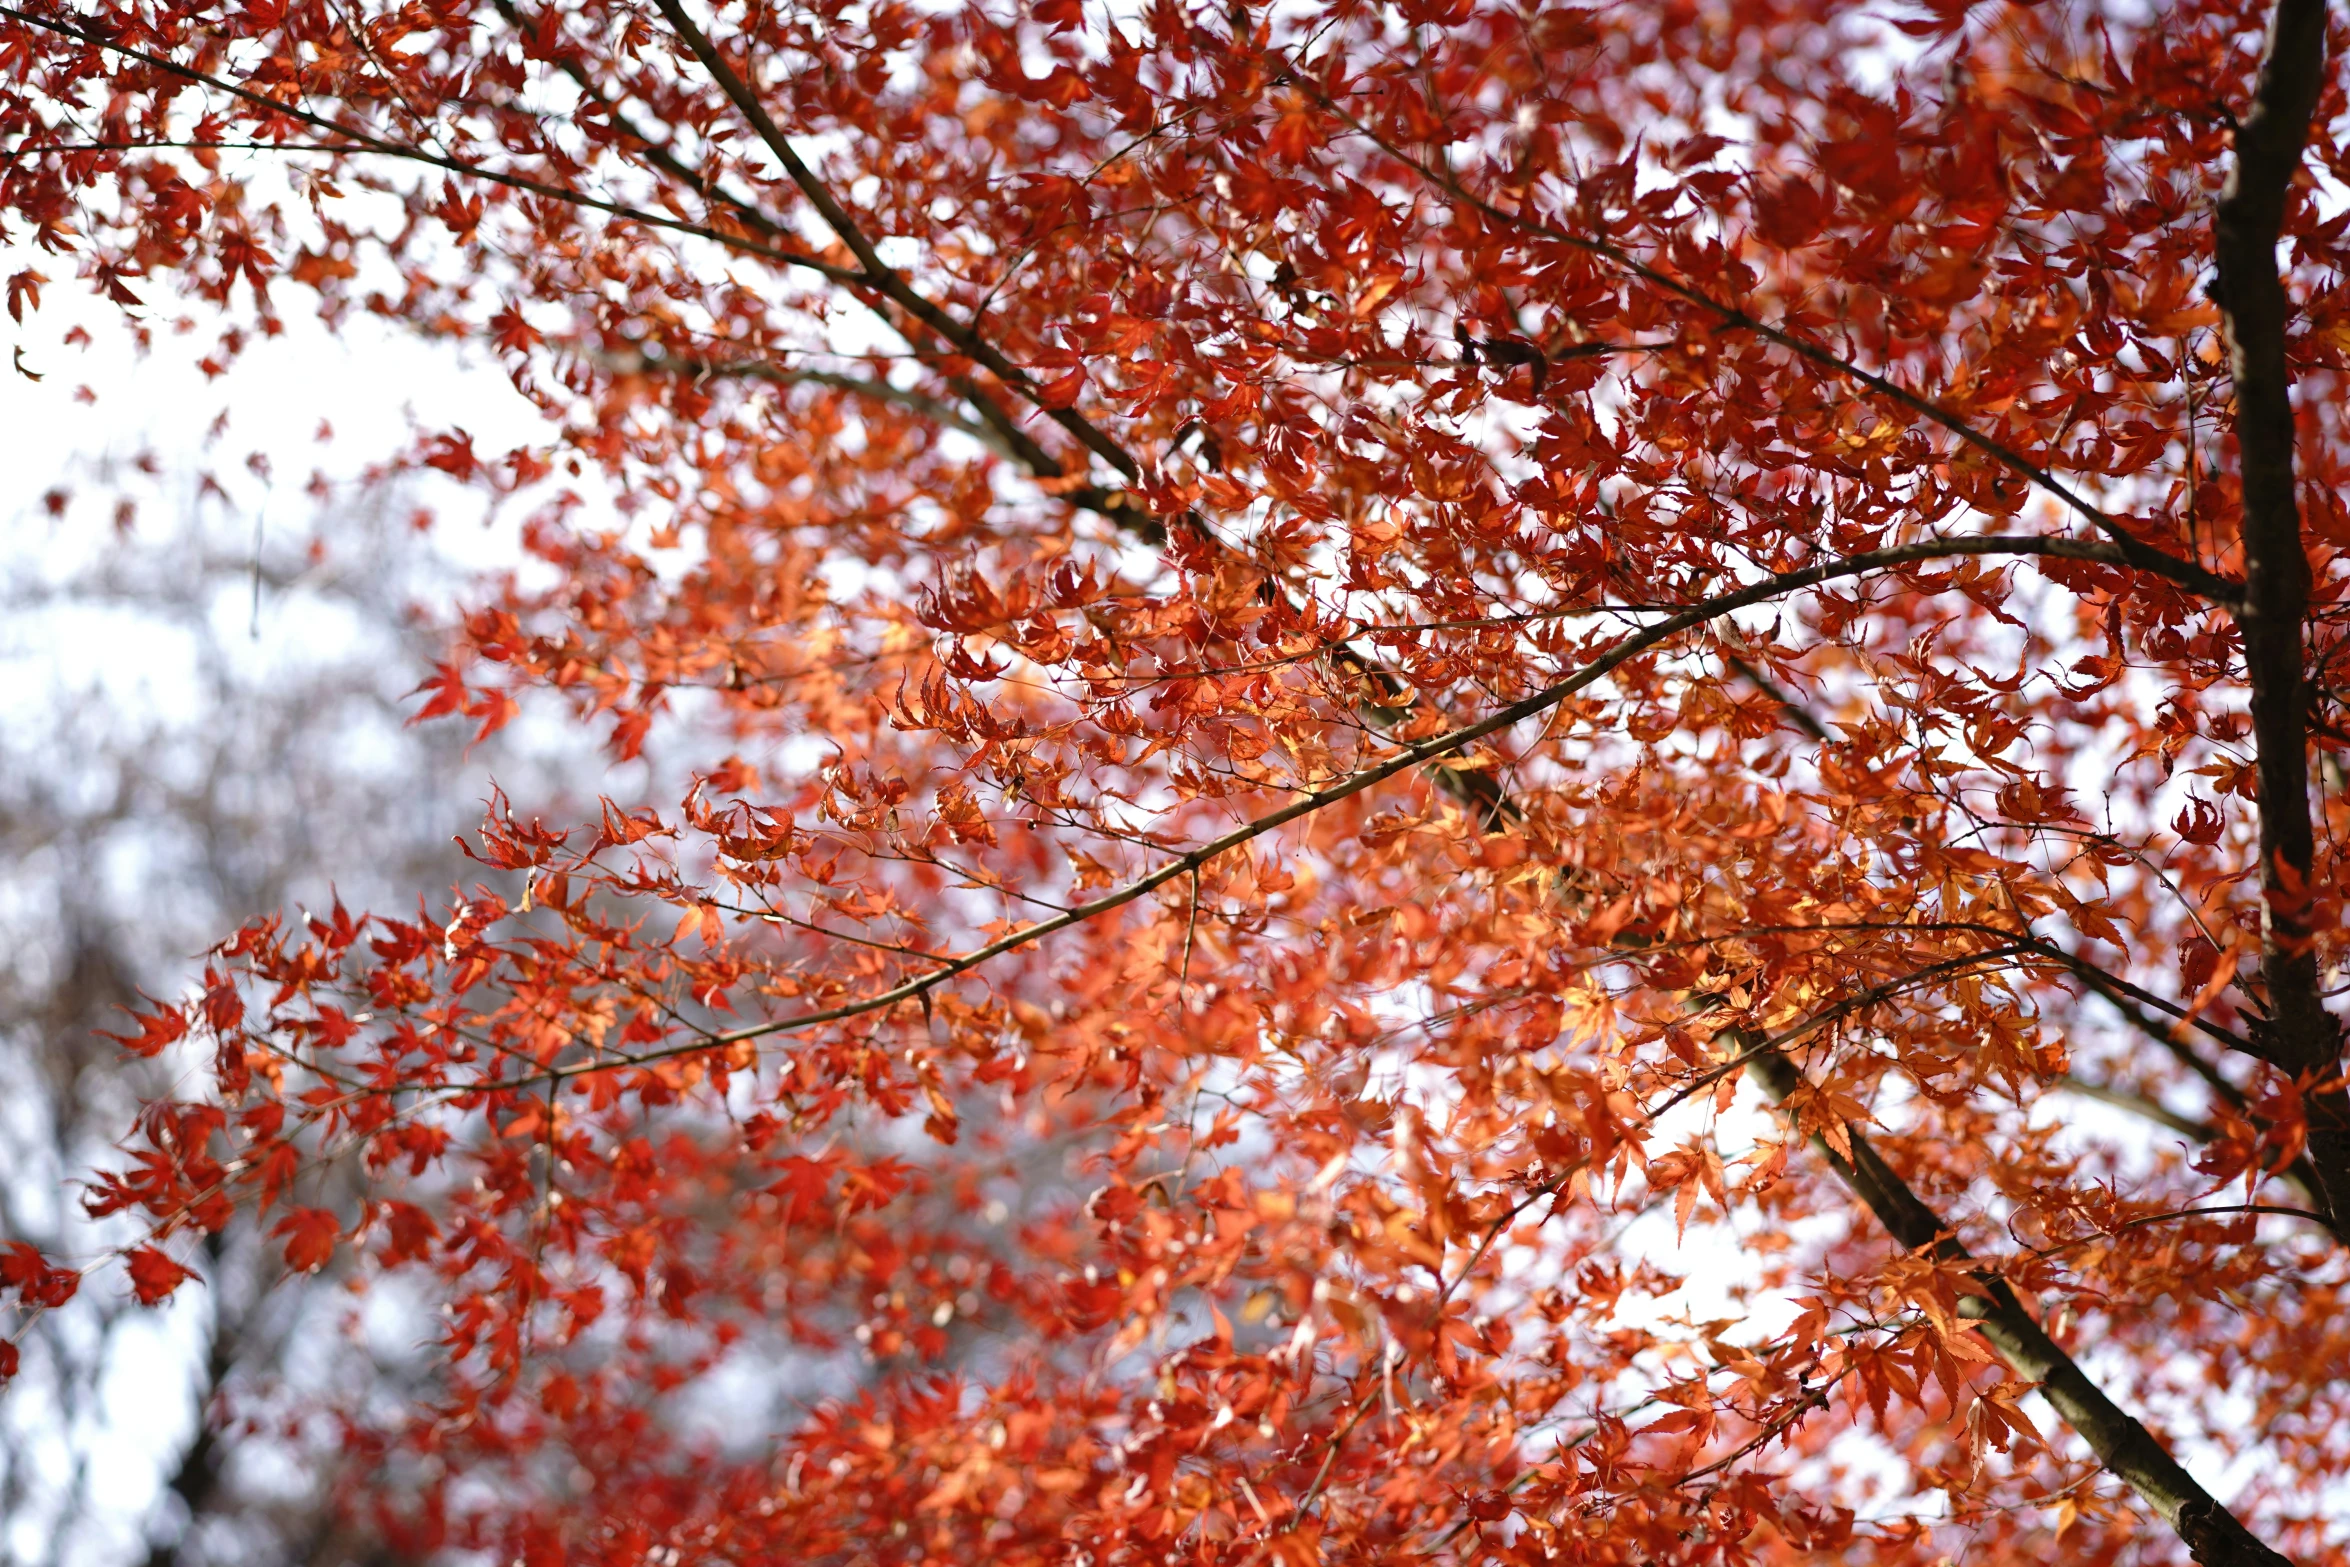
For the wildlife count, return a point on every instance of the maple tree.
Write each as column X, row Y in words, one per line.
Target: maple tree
column 1383, row 672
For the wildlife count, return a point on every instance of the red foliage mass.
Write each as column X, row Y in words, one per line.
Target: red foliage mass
column 1354, row 652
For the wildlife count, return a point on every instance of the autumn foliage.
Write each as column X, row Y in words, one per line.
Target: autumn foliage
column 1470, row 781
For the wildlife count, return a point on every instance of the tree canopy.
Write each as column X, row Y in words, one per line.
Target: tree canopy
column 1468, row 781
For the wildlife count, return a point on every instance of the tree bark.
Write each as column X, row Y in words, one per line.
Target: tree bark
column 2300, row 1037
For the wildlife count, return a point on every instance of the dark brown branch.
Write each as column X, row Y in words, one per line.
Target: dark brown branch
column 196, row 1479
column 1121, row 508
column 2299, row 1037
column 2126, row 999
column 2298, row 1175
column 2132, row 1001
column 2130, row 1452
column 166, row 144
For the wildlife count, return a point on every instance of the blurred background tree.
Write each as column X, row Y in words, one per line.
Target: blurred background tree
column 197, row 728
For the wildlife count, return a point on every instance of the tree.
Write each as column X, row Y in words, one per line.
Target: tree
column 1389, row 675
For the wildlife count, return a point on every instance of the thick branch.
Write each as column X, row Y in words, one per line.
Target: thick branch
column 197, row 1479
column 2130, row 1452
column 2300, row 1036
